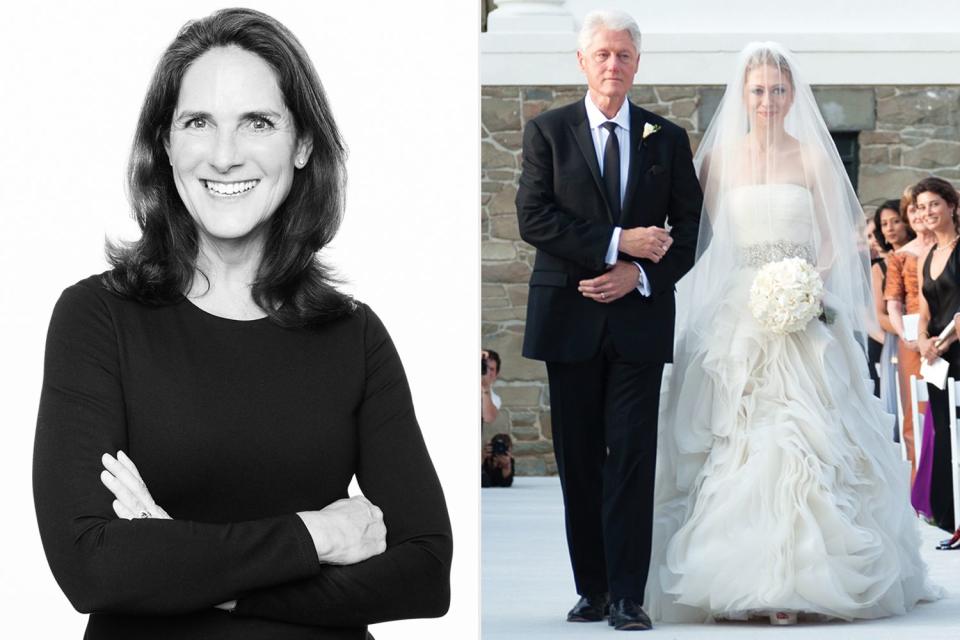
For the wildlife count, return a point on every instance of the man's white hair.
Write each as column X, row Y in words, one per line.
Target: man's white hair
column 610, row 19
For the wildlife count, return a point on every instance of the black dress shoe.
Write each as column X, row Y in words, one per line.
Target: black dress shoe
column 627, row 615
column 591, row 608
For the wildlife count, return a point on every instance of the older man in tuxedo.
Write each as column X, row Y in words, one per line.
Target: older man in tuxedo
column 609, row 197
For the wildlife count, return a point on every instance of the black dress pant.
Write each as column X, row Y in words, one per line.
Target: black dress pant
column 604, row 417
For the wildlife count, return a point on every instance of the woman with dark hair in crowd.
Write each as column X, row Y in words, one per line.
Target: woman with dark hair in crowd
column 937, row 202
column 902, row 296
column 891, row 233
column 218, row 355
column 876, row 336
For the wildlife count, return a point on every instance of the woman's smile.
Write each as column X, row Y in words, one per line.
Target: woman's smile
column 229, row 189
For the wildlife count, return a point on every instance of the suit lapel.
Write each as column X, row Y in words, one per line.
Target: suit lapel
column 637, row 149
column 581, row 133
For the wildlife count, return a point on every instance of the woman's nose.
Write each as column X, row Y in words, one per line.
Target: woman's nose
column 225, row 153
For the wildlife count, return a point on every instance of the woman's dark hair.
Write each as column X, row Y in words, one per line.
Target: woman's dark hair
column 292, row 286
column 889, row 205
column 943, row 189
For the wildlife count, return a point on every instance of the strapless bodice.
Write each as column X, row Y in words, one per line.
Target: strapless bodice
column 769, row 222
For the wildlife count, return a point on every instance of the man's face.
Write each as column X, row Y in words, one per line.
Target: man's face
column 610, row 62
column 492, row 368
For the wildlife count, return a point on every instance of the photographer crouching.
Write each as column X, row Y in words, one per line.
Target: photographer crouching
column 496, row 469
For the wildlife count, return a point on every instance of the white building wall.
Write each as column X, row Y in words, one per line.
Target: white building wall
column 696, row 42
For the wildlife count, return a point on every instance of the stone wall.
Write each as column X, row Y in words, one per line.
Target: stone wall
column 906, row 133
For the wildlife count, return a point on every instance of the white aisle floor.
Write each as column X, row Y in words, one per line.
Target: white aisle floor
column 527, row 585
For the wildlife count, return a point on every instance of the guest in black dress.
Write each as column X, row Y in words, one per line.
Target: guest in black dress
column 937, row 201
column 249, row 391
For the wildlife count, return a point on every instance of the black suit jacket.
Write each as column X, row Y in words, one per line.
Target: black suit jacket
column 562, row 210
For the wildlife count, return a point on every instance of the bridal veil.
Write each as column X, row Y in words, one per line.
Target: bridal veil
column 776, row 486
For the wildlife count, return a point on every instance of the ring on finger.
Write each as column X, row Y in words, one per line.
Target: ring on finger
column 603, row 296
column 144, row 514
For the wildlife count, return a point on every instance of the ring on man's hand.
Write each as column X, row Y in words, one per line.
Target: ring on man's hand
column 144, row 514
column 603, row 296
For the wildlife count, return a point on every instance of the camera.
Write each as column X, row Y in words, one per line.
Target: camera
column 483, row 366
column 499, row 446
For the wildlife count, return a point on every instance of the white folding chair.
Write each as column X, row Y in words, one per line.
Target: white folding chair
column 953, row 392
column 918, row 394
column 900, row 408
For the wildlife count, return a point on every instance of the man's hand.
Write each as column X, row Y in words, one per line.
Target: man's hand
column 620, row 280
column 645, row 242
column 486, row 379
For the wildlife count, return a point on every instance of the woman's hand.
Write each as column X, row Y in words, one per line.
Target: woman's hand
column 927, row 349
column 133, row 500
column 346, row 531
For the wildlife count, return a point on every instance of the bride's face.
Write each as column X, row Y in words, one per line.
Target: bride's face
column 768, row 94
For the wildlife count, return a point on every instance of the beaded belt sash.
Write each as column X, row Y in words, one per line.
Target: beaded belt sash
column 757, row 255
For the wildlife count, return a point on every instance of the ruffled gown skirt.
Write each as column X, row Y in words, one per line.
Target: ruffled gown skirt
column 778, row 485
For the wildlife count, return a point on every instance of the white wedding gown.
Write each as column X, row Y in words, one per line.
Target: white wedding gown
column 777, row 487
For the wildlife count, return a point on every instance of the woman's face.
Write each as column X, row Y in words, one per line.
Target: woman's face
column 768, row 95
column 875, row 248
column 917, row 221
column 892, row 227
column 937, row 214
column 233, row 144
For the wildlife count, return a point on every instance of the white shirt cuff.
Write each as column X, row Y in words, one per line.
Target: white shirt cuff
column 644, row 285
column 611, row 257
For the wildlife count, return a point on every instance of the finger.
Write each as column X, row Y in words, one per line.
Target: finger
column 121, row 492
column 122, row 511
column 123, row 459
column 659, row 233
column 595, row 285
column 121, row 473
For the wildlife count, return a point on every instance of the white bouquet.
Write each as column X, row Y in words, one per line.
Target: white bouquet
column 785, row 295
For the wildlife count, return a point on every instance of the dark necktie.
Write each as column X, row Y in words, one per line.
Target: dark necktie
column 611, row 169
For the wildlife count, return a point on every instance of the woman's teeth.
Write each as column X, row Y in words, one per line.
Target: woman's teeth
column 229, row 188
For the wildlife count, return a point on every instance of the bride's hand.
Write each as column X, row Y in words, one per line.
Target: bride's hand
column 133, row 500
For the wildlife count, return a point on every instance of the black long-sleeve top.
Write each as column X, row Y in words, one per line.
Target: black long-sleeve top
column 235, row 426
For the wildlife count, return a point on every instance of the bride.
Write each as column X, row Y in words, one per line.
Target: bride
column 778, row 491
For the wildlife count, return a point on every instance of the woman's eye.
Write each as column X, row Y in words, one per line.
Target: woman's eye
column 261, row 124
column 196, row 123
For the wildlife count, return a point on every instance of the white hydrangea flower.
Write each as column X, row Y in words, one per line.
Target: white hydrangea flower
column 786, row 295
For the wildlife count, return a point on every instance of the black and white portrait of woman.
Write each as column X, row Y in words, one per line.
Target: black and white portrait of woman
column 234, row 283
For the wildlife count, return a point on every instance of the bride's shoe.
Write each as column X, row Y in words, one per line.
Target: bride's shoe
column 783, row 618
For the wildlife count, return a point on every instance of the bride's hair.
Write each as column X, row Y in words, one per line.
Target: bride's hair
column 768, row 57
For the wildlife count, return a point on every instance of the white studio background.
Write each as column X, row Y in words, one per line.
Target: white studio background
column 403, row 81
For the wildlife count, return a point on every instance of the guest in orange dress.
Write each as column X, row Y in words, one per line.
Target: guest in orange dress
column 902, row 294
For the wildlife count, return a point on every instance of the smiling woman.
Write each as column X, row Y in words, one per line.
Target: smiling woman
column 218, row 355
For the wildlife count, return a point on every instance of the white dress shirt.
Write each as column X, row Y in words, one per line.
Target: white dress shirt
column 599, row 135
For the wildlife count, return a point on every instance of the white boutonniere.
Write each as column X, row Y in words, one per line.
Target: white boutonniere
column 649, row 129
